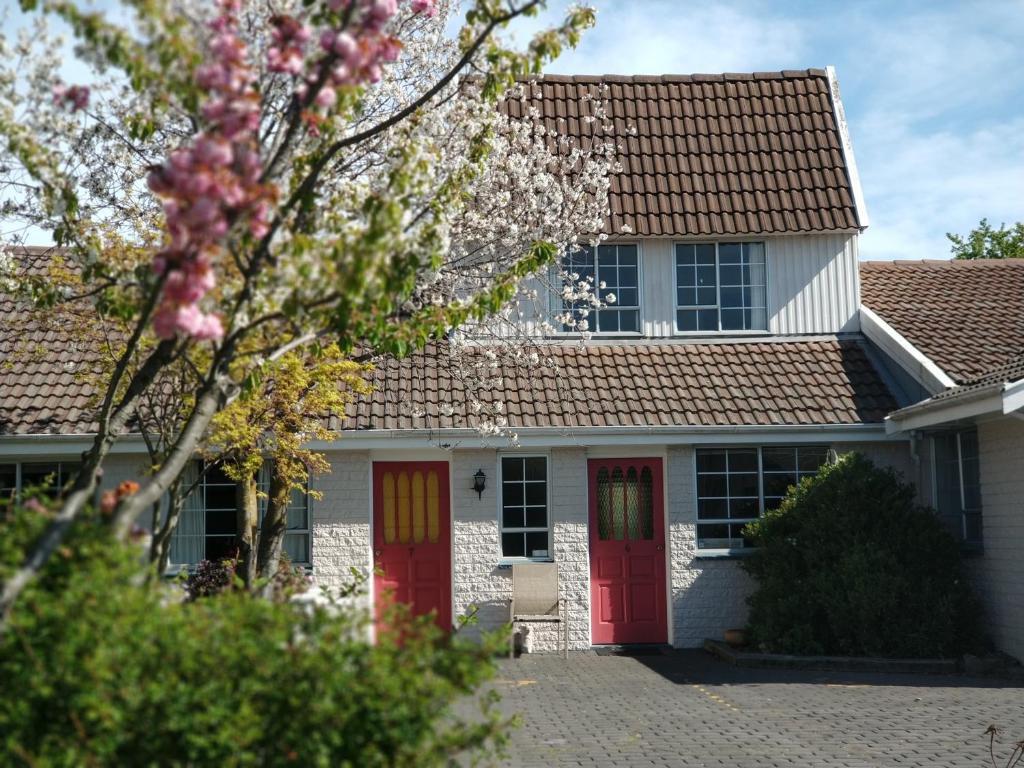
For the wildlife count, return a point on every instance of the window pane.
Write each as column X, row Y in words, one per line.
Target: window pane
column 536, row 494
column 777, row 484
column 220, row 547
column 42, row 477
column 712, row 509
column 220, row 497
column 296, row 545
column 512, row 468
column 536, row 468
column 733, row 320
column 743, row 460
column 743, row 509
column 220, row 521
column 686, row 320
column 712, row 485
column 778, row 459
column 607, row 321
column 536, row 517
column 513, row 545
column 711, row 461
column 729, row 253
column 706, row 254
column 512, row 494
column 713, row 536
column 537, row 544
column 513, row 517
column 629, row 322
column 812, row 459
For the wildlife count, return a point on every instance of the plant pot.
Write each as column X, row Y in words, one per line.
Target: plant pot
column 735, row 638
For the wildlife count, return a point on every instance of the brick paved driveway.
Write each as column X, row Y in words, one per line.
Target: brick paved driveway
column 687, row 709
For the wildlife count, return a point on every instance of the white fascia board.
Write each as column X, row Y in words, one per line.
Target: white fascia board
column 528, row 437
column 959, row 409
column 1013, row 396
column 844, row 133
column 542, row 437
column 64, row 446
column 909, row 357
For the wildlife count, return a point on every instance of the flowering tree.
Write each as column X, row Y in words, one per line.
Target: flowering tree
column 232, row 189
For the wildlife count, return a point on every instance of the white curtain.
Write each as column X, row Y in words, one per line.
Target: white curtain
column 188, row 544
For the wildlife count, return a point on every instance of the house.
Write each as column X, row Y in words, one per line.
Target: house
column 958, row 328
column 739, row 352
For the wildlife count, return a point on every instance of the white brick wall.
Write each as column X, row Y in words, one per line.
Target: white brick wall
column 708, row 594
column 480, row 582
column 999, row 573
column 341, row 520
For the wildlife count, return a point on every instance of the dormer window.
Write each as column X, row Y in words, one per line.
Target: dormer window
column 720, row 287
column 615, row 272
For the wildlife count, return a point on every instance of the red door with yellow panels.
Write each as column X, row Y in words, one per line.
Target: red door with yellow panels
column 411, row 536
column 627, row 552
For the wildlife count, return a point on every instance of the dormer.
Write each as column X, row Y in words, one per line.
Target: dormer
column 737, row 207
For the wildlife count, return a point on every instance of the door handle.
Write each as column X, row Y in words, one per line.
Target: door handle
column 661, row 547
column 376, row 553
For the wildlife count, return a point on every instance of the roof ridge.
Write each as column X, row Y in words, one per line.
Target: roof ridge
column 696, row 77
column 963, row 263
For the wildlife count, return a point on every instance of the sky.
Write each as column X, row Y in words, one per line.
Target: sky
column 933, row 93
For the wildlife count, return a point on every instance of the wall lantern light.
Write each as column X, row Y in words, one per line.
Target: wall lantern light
column 479, row 483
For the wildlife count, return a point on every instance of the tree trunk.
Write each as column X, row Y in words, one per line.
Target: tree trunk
column 275, row 525
column 246, row 525
column 160, row 548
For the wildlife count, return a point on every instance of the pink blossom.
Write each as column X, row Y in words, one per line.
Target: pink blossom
column 74, row 97
column 326, row 98
column 426, row 7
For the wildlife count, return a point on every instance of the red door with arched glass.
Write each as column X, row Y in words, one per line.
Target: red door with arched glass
column 411, row 536
column 627, row 552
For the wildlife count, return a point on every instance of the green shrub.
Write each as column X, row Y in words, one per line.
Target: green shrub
column 103, row 666
column 850, row 565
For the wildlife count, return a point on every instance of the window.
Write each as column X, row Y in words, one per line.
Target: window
column 524, row 507
column 50, row 476
column 615, row 275
column 958, row 483
column 736, row 485
column 721, row 287
column 208, row 524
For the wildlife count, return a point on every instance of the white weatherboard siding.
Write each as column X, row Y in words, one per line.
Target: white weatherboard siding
column 999, row 572
column 708, row 595
column 813, row 284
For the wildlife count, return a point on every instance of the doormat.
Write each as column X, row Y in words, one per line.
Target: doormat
column 632, row 650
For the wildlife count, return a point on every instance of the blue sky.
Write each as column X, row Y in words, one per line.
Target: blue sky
column 933, row 91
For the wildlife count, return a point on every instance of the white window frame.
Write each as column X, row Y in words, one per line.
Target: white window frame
column 18, row 463
column 261, row 487
column 965, row 512
column 558, row 304
column 676, row 306
column 549, row 529
column 760, row 489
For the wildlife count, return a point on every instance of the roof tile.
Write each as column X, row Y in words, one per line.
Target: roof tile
column 692, row 124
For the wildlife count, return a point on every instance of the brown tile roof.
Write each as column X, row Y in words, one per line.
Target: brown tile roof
column 966, row 316
column 47, row 366
column 711, row 155
column 671, row 384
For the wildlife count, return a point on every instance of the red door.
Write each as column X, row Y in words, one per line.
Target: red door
column 627, row 551
column 411, row 534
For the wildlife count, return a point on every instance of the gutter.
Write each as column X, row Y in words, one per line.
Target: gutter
column 383, row 439
column 1001, row 398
